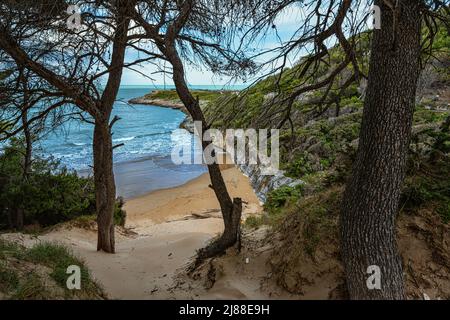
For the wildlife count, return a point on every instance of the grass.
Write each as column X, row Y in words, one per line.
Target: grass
column 318, row 217
column 9, row 278
column 31, row 288
column 20, row 279
column 255, row 222
column 8, row 249
column 59, row 258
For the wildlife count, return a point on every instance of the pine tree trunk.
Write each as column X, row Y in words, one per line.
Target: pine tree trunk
column 231, row 208
column 20, row 214
column 370, row 203
column 105, row 189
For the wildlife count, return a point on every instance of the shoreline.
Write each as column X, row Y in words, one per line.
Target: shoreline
column 187, row 122
column 138, row 177
column 192, row 197
column 159, row 103
column 175, row 103
column 164, row 230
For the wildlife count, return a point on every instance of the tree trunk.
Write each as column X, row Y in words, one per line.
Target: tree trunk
column 18, row 217
column 19, row 212
column 231, row 209
column 28, row 145
column 371, row 199
column 105, row 188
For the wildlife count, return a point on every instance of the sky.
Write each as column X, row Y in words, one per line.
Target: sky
column 285, row 23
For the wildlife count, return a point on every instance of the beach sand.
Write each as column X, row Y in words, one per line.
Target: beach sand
column 168, row 227
column 193, row 197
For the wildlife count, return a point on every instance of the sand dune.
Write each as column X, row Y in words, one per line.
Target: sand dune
column 166, row 238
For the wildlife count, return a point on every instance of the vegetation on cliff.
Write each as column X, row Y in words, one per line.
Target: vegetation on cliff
column 318, row 145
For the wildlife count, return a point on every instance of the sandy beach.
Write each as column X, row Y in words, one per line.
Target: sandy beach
column 163, row 231
column 194, row 197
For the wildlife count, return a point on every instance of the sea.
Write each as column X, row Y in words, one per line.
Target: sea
column 148, row 134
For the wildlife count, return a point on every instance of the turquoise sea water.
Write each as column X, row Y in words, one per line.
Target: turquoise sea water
column 143, row 163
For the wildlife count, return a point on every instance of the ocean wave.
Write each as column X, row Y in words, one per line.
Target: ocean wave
column 142, row 136
column 154, row 134
column 73, row 144
column 124, row 139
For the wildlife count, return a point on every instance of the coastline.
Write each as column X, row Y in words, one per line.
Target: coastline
column 164, row 229
column 193, row 197
column 159, row 103
column 169, row 99
column 261, row 184
column 141, row 176
column 165, row 225
column 186, row 124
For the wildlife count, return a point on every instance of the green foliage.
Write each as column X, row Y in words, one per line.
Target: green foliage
column 31, row 288
column 320, row 149
column 317, row 217
column 280, row 197
column 352, row 98
column 172, row 95
column 120, row 215
column 255, row 221
column 276, row 205
column 58, row 258
column 423, row 116
column 300, row 166
column 48, row 195
column 428, row 185
column 25, row 273
column 326, row 146
column 9, row 279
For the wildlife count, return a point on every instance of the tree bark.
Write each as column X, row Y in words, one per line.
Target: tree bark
column 371, row 199
column 100, row 110
column 231, row 209
column 105, row 188
column 28, row 145
column 20, row 214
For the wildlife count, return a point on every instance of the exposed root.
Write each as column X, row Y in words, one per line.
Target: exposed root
column 229, row 238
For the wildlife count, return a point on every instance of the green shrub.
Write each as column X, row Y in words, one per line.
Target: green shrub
column 299, row 167
column 278, row 198
column 50, row 194
column 255, row 221
column 120, row 215
column 58, row 258
column 428, row 186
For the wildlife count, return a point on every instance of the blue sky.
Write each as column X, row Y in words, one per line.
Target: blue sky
column 285, row 27
column 287, row 23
